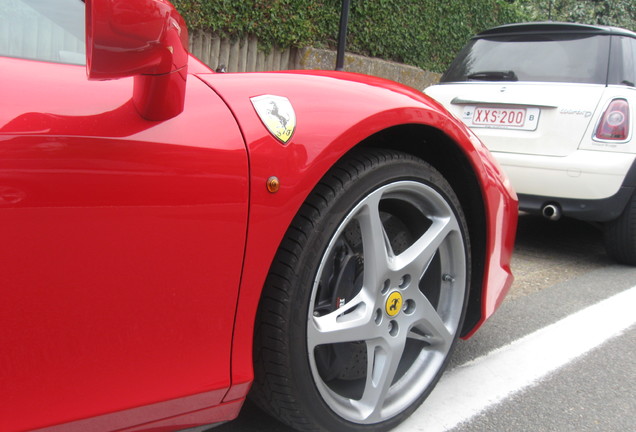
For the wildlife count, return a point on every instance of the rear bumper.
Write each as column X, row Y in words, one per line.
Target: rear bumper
column 582, row 175
column 587, row 185
column 602, row 210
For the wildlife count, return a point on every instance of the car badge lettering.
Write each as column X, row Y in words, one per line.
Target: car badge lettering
column 577, row 112
column 277, row 114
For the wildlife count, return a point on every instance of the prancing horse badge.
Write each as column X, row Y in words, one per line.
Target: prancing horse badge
column 277, row 114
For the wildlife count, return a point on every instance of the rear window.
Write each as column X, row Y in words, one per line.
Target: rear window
column 542, row 58
column 623, row 62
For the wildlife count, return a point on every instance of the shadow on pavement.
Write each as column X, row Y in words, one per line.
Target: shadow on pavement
column 252, row 419
column 548, row 252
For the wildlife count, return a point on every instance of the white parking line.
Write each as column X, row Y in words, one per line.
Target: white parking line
column 477, row 385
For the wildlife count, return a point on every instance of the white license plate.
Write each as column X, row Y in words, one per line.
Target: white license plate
column 505, row 118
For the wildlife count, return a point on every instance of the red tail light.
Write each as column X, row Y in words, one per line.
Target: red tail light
column 614, row 124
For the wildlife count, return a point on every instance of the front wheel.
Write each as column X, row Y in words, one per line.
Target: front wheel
column 365, row 298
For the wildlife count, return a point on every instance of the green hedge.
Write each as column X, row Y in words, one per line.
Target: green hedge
column 620, row 13
column 424, row 33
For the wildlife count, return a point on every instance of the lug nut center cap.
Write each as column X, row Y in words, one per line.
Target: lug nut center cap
column 393, row 304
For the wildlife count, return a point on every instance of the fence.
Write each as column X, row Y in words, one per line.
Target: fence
column 241, row 55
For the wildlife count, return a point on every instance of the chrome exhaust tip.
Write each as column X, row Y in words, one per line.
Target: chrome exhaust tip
column 551, row 211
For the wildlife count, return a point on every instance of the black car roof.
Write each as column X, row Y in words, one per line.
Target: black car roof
column 554, row 27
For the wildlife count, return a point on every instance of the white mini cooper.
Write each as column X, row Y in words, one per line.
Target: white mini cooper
column 555, row 103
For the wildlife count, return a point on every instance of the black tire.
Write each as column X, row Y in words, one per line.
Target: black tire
column 326, row 318
column 620, row 235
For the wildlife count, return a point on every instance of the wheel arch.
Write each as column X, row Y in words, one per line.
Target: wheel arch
column 444, row 154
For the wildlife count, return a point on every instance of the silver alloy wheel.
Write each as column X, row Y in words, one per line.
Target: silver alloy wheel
column 386, row 302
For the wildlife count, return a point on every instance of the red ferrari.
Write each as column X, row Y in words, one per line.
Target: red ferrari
column 172, row 239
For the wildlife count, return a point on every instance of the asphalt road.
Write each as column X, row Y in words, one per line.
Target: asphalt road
column 561, row 269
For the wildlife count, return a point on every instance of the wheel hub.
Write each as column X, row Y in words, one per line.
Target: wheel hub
column 393, row 304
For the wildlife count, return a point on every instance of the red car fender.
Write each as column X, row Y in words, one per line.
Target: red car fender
column 326, row 129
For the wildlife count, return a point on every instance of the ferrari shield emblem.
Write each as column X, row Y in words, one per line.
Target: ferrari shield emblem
column 277, row 114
